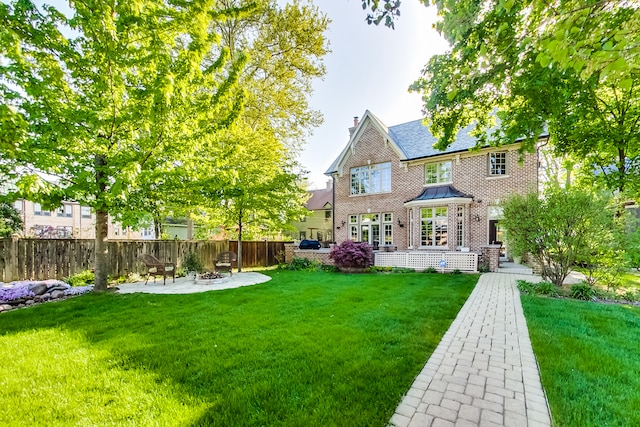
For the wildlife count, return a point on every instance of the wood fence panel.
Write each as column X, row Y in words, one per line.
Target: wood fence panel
column 42, row 259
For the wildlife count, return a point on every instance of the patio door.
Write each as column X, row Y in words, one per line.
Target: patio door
column 496, row 236
column 370, row 233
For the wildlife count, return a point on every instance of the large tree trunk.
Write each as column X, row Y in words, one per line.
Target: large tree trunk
column 102, row 251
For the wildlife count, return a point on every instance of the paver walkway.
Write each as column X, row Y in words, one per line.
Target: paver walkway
column 483, row 372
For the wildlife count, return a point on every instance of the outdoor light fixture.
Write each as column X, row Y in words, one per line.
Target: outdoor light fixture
column 477, row 218
column 338, row 227
column 400, row 223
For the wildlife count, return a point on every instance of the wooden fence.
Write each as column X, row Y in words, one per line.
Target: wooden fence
column 41, row 259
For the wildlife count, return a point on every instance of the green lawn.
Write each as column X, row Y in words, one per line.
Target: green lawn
column 589, row 357
column 303, row 349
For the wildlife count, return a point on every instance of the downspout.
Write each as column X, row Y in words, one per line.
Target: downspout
column 333, row 207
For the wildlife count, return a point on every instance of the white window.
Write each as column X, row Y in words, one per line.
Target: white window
column 85, row 211
column 498, row 163
column 371, row 179
column 437, row 173
column 18, row 205
column 65, row 211
column 353, row 232
column 460, row 227
column 387, row 225
column 37, row 210
column 434, row 227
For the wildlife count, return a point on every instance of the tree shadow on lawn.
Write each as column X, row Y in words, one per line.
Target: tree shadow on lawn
column 331, row 349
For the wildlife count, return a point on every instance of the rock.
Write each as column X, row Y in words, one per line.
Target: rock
column 5, row 307
column 58, row 287
column 38, row 288
column 29, row 302
column 57, row 294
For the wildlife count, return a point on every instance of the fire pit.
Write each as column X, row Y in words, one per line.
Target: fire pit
column 211, row 278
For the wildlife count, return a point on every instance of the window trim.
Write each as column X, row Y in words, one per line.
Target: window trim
column 433, row 219
column 361, row 177
column 492, row 170
column 438, row 166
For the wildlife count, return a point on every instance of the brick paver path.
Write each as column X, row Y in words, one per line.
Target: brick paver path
column 483, row 372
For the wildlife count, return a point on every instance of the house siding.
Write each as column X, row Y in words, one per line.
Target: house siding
column 469, row 175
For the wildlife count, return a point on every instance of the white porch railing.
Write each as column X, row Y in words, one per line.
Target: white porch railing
column 463, row 261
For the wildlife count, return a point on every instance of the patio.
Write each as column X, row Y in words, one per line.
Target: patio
column 189, row 286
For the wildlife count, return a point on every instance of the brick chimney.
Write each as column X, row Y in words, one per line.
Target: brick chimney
column 355, row 121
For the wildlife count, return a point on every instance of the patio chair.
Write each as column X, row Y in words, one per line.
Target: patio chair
column 156, row 267
column 223, row 262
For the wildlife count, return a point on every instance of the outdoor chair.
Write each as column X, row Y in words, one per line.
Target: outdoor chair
column 157, row 267
column 223, row 262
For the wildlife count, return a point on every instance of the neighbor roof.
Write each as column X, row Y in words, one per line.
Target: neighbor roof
column 319, row 199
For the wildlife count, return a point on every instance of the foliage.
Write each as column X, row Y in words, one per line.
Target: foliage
column 587, row 353
column 456, row 271
column 352, row 254
column 111, row 99
column 483, row 267
column 583, row 291
column 559, row 229
column 304, row 264
column 192, row 262
column 313, row 348
column 16, row 292
column 10, row 220
column 541, row 288
column 571, row 69
column 81, row 279
column 430, row 270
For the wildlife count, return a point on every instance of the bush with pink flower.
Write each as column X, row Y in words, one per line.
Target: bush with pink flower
column 349, row 254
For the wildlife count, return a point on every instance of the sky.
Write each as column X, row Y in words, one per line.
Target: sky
column 369, row 68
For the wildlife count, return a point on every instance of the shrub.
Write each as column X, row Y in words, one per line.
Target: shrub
column 456, row 271
column 304, row 264
column 546, row 288
column 430, row 270
column 352, row 254
column 483, row 267
column 526, row 287
column 193, row 263
column 583, row 292
column 81, row 279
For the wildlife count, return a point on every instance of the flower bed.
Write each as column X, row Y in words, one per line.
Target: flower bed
column 28, row 292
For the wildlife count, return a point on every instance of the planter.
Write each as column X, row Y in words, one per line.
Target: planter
column 517, row 259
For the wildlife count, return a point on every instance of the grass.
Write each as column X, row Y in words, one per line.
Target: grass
column 303, row 349
column 589, row 357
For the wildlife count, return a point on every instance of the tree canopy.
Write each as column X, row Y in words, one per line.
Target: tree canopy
column 126, row 105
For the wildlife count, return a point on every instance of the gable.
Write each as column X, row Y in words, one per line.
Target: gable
column 368, row 120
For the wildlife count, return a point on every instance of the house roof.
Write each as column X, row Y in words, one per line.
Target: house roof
column 439, row 193
column 319, row 199
column 412, row 140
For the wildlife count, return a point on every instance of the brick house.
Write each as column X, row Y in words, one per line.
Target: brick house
column 391, row 187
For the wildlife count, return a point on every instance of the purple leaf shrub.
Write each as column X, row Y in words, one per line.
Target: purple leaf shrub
column 352, row 254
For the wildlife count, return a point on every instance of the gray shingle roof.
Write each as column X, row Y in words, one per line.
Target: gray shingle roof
column 416, row 142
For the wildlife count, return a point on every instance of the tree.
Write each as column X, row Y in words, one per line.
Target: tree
column 572, row 68
column 112, row 97
column 558, row 230
column 264, row 193
column 10, row 220
column 284, row 47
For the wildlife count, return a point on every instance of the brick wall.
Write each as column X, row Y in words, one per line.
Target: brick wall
column 321, row 255
column 470, row 175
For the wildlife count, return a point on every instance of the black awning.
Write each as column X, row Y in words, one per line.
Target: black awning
column 441, row 192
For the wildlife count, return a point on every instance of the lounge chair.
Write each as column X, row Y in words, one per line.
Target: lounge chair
column 156, row 267
column 223, row 262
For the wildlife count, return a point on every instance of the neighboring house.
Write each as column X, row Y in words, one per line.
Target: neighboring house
column 393, row 188
column 71, row 220
column 318, row 223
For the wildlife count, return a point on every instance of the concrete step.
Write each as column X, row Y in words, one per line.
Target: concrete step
column 513, row 268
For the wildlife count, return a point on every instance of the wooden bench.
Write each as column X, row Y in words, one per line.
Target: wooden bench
column 156, row 267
